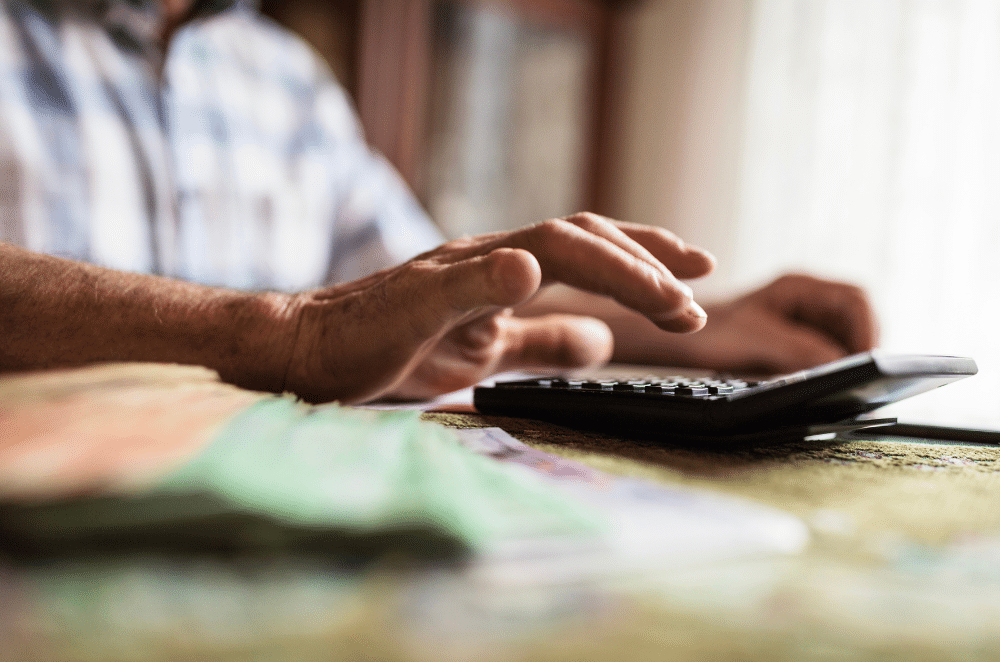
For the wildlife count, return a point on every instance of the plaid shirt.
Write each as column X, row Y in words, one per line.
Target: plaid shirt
column 241, row 165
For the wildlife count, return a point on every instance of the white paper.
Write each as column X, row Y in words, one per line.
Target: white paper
column 651, row 524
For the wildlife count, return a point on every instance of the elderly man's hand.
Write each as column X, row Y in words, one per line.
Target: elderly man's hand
column 442, row 320
column 795, row 322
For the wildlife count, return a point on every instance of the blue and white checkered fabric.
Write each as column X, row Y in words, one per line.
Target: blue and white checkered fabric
column 241, row 165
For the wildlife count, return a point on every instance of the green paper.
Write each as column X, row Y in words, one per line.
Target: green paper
column 362, row 471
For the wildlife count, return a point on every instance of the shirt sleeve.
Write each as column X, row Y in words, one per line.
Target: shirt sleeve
column 277, row 188
column 379, row 222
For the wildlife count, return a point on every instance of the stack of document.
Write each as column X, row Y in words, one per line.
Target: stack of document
column 120, row 458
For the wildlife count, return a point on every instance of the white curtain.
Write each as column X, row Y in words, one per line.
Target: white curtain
column 872, row 153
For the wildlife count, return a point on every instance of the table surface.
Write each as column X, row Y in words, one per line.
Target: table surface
column 903, row 559
column 904, row 563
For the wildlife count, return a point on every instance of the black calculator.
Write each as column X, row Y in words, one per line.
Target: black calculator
column 837, row 396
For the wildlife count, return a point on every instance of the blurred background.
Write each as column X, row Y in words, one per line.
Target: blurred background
column 855, row 139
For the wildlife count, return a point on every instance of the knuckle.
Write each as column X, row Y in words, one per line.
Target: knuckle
column 594, row 223
column 553, row 228
column 447, row 249
column 794, row 285
column 415, row 270
column 461, row 243
column 792, row 279
column 586, row 218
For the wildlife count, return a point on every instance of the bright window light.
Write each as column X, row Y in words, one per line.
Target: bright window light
column 872, row 153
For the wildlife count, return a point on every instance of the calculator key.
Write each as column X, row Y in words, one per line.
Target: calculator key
column 692, row 390
column 720, row 389
column 599, row 386
column 631, row 386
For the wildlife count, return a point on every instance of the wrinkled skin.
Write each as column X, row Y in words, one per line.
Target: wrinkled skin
column 442, row 321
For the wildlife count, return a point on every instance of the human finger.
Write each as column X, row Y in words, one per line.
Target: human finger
column 657, row 246
column 555, row 342
column 495, row 341
column 503, row 277
column 582, row 259
column 357, row 342
column 840, row 310
column 683, row 259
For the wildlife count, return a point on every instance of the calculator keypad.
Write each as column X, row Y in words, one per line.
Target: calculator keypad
column 674, row 386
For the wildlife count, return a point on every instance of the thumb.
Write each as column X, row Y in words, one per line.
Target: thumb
column 428, row 299
column 555, row 342
column 503, row 277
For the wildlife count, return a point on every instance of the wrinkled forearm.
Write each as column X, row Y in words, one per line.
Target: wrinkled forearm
column 59, row 313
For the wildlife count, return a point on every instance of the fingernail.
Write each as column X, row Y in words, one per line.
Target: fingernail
column 698, row 310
